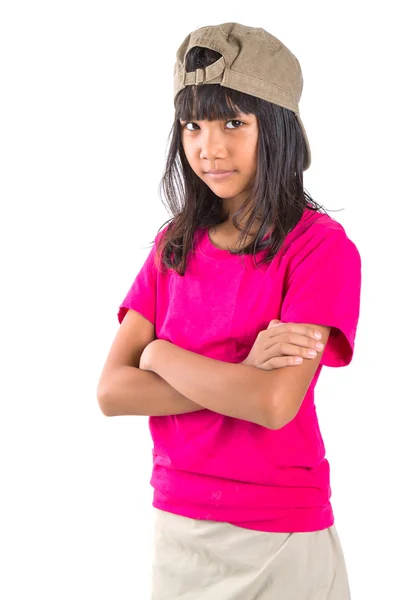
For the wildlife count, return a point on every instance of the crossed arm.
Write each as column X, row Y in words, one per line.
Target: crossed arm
column 268, row 398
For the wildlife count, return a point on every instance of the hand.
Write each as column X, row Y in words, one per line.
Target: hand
column 279, row 344
column 145, row 358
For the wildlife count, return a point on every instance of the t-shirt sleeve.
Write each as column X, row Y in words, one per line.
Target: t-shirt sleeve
column 324, row 288
column 141, row 296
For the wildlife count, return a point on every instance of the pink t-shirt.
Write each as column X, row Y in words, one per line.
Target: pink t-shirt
column 213, row 467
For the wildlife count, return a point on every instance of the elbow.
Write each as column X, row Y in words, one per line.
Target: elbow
column 104, row 403
column 275, row 418
column 273, row 423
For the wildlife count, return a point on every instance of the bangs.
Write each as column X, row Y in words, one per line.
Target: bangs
column 212, row 102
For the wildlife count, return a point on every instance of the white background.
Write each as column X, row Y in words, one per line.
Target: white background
column 86, row 108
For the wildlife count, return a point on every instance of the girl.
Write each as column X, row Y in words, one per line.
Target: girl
column 234, row 289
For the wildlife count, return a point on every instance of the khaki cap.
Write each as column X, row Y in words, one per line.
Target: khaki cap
column 253, row 61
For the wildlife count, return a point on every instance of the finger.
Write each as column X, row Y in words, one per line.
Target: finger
column 282, row 361
column 274, row 323
column 295, row 328
column 285, row 349
column 297, row 340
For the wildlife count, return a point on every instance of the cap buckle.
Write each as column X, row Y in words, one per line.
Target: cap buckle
column 200, row 76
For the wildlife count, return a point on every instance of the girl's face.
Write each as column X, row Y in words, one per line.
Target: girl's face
column 223, row 145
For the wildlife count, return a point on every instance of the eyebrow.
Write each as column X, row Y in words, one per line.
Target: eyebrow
column 237, row 115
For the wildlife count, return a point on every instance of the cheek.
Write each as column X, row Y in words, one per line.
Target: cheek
column 189, row 152
column 190, row 157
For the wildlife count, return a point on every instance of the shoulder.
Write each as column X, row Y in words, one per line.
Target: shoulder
column 161, row 233
column 155, row 254
column 319, row 224
column 318, row 235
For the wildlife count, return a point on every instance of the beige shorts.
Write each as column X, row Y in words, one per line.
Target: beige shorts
column 210, row 560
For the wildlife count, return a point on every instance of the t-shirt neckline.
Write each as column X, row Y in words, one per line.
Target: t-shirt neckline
column 208, row 248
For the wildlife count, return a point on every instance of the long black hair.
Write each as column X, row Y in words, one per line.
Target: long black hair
column 277, row 199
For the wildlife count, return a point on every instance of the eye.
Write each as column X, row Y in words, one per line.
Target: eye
column 235, row 121
column 189, row 123
column 184, row 125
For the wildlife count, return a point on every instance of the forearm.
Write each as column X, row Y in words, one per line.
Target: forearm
column 231, row 389
column 133, row 391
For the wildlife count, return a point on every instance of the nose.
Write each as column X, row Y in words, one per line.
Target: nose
column 212, row 145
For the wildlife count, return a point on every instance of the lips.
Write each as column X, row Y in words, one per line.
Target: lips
column 220, row 174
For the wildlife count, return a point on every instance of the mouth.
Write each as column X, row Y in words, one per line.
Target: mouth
column 219, row 175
